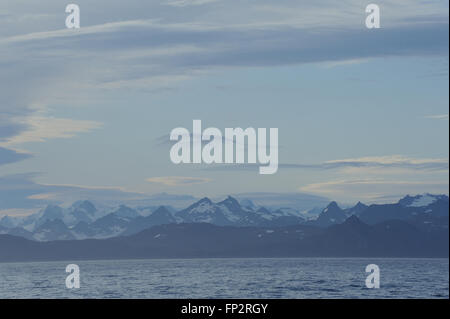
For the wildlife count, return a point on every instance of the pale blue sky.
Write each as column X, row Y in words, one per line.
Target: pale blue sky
column 362, row 114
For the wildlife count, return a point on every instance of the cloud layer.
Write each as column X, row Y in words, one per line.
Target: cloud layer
column 157, row 53
column 155, row 45
column 373, row 190
column 10, row 156
column 177, row 180
column 19, row 193
column 362, row 163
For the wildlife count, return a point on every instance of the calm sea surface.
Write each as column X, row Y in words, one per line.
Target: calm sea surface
column 229, row 278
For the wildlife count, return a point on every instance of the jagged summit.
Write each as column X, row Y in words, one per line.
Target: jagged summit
column 231, row 203
column 333, row 205
column 204, row 200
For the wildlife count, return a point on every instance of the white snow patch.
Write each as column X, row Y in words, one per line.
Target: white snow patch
column 422, row 201
column 202, row 208
column 229, row 214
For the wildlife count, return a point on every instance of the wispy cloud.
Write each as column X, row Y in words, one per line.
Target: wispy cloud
column 10, row 156
column 185, row 3
column 438, row 117
column 40, row 129
column 368, row 162
column 16, row 212
column 177, row 180
column 394, row 161
column 373, row 190
column 21, row 192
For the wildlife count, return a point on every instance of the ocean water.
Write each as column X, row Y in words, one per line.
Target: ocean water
column 229, row 278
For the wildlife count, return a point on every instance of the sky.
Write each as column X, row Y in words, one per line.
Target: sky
column 362, row 113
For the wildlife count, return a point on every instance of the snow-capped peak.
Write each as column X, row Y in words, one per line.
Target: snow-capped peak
column 418, row 200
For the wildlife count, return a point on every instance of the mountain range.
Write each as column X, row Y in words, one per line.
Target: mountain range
column 83, row 220
column 415, row 226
